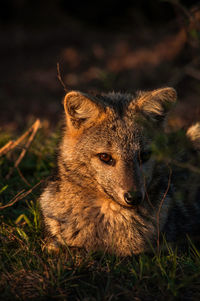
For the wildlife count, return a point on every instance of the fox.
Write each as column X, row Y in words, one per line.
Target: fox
column 110, row 193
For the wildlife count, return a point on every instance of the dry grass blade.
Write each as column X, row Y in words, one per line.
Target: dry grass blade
column 22, row 177
column 33, row 130
column 186, row 165
column 60, row 78
column 12, row 144
column 6, row 148
column 20, row 196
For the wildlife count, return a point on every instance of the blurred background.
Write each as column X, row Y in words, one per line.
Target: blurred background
column 100, row 46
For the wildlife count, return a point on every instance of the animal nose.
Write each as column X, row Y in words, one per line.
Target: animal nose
column 133, row 197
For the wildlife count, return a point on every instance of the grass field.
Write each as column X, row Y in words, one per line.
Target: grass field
column 27, row 271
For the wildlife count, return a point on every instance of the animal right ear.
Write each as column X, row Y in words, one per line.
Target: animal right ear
column 156, row 104
column 81, row 110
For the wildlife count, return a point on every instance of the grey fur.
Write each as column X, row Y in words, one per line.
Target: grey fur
column 85, row 205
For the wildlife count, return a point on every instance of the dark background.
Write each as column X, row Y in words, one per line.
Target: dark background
column 100, row 46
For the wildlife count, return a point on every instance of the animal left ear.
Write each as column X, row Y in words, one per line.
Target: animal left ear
column 81, row 110
column 155, row 105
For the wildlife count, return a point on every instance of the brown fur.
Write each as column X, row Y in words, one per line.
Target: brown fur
column 86, row 205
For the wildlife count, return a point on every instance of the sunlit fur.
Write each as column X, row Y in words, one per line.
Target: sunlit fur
column 84, row 205
column 193, row 134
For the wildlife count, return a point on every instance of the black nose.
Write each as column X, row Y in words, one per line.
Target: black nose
column 133, row 197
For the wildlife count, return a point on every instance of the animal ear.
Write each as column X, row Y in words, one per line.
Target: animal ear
column 81, row 109
column 156, row 104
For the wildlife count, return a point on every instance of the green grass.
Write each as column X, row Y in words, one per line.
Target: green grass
column 28, row 271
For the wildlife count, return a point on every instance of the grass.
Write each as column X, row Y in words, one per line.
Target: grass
column 28, row 271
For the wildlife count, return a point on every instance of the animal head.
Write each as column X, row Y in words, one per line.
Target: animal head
column 107, row 141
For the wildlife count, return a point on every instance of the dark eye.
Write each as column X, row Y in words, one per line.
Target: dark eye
column 106, row 158
column 144, row 156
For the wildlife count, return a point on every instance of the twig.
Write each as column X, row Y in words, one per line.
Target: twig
column 12, row 144
column 60, row 78
column 34, row 130
column 160, row 206
column 186, row 165
column 22, row 177
column 20, row 196
column 6, row 148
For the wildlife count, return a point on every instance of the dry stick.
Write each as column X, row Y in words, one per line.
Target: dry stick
column 34, row 130
column 6, row 148
column 12, row 201
column 60, row 78
column 12, row 144
column 20, row 196
column 22, row 177
column 186, row 165
column 160, row 206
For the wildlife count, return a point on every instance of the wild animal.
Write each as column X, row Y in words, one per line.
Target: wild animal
column 110, row 192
